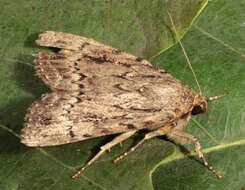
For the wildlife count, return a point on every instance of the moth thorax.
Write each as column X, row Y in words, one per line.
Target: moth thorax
column 200, row 105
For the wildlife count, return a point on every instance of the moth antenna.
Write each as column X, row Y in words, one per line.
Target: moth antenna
column 217, row 97
column 183, row 49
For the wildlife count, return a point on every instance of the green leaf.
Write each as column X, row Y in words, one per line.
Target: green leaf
column 215, row 45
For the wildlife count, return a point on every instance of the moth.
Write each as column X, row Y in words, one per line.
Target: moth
column 98, row 90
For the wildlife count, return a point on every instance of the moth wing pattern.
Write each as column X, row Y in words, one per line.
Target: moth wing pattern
column 86, row 63
column 99, row 90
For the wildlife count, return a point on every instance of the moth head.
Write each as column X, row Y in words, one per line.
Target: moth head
column 201, row 103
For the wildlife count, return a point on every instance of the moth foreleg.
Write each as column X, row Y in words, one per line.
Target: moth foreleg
column 186, row 137
column 161, row 131
column 104, row 148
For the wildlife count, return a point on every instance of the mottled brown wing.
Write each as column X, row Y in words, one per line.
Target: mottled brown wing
column 60, row 118
column 90, row 65
column 98, row 91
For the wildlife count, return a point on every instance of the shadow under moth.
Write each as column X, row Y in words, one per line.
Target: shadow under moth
column 98, row 90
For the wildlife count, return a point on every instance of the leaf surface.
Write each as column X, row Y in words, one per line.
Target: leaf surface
column 215, row 47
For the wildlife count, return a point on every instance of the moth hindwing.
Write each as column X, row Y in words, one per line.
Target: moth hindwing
column 98, row 90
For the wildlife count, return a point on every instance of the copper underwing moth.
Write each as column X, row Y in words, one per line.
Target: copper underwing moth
column 98, row 90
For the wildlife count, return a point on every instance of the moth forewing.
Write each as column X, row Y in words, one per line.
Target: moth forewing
column 99, row 90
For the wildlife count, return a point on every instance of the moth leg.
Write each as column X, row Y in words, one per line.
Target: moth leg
column 104, row 148
column 179, row 134
column 161, row 131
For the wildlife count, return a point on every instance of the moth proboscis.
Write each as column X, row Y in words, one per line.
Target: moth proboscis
column 98, row 90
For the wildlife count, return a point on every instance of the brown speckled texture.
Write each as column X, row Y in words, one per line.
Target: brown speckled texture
column 99, row 90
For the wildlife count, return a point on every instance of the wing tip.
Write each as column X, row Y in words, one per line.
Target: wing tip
column 45, row 37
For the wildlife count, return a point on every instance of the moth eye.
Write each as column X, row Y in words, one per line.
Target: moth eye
column 198, row 110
